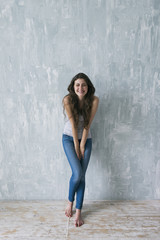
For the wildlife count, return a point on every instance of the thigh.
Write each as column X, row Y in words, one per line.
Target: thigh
column 87, row 154
column 70, row 152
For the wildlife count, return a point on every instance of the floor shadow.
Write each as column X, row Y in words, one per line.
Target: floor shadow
column 90, row 209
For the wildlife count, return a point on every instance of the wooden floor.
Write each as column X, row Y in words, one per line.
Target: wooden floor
column 44, row 220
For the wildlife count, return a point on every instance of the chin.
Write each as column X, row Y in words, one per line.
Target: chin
column 81, row 96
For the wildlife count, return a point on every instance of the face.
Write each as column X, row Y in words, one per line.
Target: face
column 80, row 88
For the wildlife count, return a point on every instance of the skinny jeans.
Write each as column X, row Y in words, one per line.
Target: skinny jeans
column 78, row 167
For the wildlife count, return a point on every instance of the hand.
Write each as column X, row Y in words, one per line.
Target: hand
column 82, row 149
column 77, row 149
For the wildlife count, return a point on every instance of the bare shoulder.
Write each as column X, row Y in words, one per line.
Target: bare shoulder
column 66, row 100
column 95, row 100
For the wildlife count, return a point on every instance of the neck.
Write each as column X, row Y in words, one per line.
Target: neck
column 81, row 102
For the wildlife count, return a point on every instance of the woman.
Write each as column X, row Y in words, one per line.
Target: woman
column 80, row 106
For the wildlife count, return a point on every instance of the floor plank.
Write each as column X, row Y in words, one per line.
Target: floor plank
column 44, row 220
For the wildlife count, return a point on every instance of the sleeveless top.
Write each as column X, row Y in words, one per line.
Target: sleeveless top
column 68, row 127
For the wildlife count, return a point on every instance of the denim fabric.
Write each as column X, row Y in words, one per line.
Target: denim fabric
column 78, row 167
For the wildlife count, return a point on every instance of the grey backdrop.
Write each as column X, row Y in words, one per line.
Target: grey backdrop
column 43, row 44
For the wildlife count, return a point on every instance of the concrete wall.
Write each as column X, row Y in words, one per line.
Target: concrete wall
column 43, row 44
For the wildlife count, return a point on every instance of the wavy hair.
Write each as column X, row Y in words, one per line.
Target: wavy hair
column 87, row 100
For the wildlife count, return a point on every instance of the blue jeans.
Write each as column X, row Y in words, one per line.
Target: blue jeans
column 78, row 167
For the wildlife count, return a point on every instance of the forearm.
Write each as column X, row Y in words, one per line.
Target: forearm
column 69, row 114
column 93, row 112
column 76, row 142
column 75, row 135
column 84, row 136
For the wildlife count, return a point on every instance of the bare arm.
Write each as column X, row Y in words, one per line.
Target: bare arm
column 74, row 130
column 85, row 131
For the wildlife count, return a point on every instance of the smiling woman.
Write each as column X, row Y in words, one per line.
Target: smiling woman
column 80, row 88
column 80, row 106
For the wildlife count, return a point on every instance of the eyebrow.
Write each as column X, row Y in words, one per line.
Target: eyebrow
column 82, row 83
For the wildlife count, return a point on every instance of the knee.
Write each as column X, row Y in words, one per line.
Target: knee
column 77, row 176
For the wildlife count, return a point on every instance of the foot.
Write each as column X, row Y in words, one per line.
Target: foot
column 78, row 221
column 68, row 211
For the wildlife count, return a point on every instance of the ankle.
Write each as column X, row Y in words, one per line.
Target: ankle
column 78, row 211
column 70, row 203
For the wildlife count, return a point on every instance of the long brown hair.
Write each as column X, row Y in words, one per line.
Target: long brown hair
column 87, row 100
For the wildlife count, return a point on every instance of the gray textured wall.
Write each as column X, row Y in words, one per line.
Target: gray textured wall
column 43, row 44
